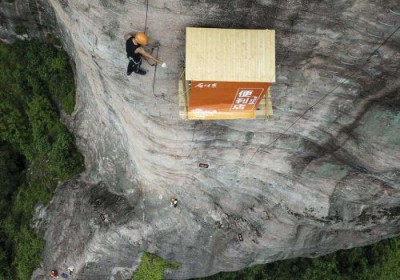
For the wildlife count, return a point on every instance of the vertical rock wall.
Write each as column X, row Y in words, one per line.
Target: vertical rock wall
column 322, row 175
column 26, row 19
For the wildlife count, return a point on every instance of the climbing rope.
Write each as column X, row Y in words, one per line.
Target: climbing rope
column 153, row 86
column 154, row 65
column 145, row 22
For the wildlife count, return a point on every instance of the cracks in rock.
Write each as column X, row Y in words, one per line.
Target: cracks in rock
column 370, row 188
column 347, row 132
column 232, row 223
column 332, row 147
column 110, row 208
column 110, row 28
column 64, row 4
column 248, row 14
column 335, row 143
column 42, row 17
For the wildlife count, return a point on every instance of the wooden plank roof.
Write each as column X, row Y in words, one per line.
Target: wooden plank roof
column 234, row 55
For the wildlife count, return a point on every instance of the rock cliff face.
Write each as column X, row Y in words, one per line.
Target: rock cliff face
column 322, row 175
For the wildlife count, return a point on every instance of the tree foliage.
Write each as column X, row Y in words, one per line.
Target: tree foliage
column 36, row 149
column 380, row 261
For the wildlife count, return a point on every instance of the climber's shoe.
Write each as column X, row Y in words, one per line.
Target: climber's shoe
column 141, row 72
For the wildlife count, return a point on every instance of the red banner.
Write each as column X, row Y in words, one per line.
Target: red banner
column 225, row 100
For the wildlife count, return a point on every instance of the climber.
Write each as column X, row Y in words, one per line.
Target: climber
column 174, row 202
column 54, row 274
column 70, row 269
column 135, row 51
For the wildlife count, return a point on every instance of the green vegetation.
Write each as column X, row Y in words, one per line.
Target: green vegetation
column 53, row 40
column 36, row 149
column 152, row 267
column 380, row 261
column 21, row 30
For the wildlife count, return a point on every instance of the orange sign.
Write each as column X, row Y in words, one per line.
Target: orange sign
column 225, row 100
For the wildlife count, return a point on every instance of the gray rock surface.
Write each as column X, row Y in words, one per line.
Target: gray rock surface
column 322, row 175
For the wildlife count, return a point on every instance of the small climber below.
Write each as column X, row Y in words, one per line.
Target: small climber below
column 135, row 51
column 54, row 274
column 174, row 202
column 71, row 269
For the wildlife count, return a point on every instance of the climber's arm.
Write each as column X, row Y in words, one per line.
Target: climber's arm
column 146, row 54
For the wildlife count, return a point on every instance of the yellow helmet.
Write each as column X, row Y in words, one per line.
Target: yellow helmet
column 141, row 38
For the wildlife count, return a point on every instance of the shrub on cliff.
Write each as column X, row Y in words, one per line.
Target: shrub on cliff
column 152, row 267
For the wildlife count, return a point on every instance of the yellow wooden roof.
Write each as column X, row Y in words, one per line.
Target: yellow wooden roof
column 234, row 55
